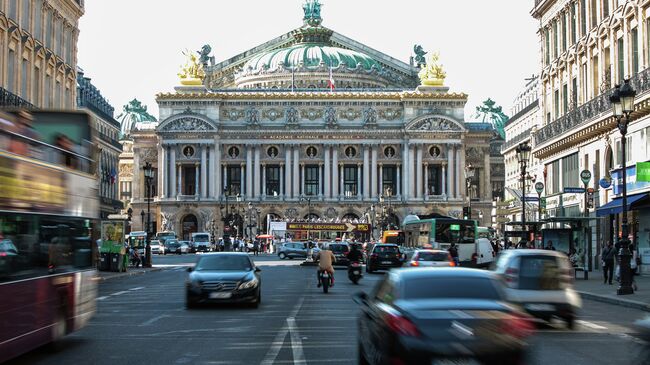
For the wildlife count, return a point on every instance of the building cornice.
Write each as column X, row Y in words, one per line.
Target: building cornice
column 271, row 95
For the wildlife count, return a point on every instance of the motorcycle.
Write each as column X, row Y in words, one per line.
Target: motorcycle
column 325, row 280
column 354, row 272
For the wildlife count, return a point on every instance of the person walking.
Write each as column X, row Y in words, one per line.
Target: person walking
column 608, row 255
column 453, row 252
column 256, row 247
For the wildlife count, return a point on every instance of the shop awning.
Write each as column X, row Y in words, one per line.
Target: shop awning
column 616, row 205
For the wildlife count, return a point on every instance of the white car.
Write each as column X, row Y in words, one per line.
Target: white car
column 431, row 258
column 156, row 247
column 541, row 281
column 185, row 247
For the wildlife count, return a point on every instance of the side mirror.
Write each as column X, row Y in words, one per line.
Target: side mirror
column 360, row 298
column 190, row 269
column 257, row 269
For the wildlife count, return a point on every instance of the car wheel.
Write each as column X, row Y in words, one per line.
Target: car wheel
column 570, row 322
column 282, row 255
column 189, row 303
column 362, row 357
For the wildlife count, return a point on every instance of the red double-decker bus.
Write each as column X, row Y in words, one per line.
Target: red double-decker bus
column 48, row 206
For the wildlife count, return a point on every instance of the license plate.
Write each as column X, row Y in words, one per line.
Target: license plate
column 539, row 307
column 356, row 272
column 220, row 295
column 386, row 262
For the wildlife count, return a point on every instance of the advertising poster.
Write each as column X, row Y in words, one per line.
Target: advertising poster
column 113, row 236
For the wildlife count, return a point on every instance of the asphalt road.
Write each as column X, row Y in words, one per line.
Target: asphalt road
column 141, row 319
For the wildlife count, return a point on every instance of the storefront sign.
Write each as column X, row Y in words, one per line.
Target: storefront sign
column 585, row 176
column 337, row 227
column 633, row 184
column 643, row 171
column 574, row 190
column 605, row 182
column 277, row 226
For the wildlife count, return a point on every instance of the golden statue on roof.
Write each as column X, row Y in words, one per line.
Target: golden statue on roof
column 192, row 72
column 432, row 73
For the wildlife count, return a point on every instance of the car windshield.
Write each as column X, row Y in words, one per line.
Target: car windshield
column 433, row 256
column 224, row 262
column 386, row 249
column 439, row 287
column 339, row 248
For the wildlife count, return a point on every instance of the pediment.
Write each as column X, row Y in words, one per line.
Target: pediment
column 187, row 122
column 434, row 123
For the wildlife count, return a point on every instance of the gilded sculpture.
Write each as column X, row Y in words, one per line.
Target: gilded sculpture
column 432, row 73
column 192, row 72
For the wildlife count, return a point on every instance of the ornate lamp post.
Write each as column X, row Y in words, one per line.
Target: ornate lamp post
column 523, row 154
column 623, row 105
column 469, row 175
column 142, row 219
column 539, row 188
column 148, row 177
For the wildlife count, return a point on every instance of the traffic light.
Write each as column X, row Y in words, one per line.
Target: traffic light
column 466, row 212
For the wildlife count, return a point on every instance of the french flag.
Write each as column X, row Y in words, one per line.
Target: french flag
column 330, row 82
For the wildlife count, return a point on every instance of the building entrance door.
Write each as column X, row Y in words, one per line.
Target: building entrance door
column 189, row 226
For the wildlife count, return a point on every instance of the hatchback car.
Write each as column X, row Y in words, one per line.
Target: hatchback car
column 440, row 315
column 224, row 277
column 383, row 256
column 431, row 258
column 292, row 250
column 172, row 246
column 340, row 251
column 541, row 281
column 156, row 247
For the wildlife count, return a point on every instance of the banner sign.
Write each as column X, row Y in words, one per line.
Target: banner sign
column 633, row 183
column 277, row 226
column 643, row 171
column 337, row 227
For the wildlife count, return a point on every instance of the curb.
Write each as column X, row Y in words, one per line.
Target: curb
column 128, row 273
column 622, row 302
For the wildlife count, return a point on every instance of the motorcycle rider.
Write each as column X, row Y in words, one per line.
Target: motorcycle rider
column 325, row 259
column 355, row 255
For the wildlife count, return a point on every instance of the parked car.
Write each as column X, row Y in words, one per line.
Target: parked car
column 224, row 277
column 383, row 256
column 292, row 250
column 156, row 247
column 172, row 246
column 185, row 246
column 541, row 281
column 440, row 315
column 340, row 251
column 431, row 258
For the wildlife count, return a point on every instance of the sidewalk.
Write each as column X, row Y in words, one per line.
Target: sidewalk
column 594, row 289
column 107, row 275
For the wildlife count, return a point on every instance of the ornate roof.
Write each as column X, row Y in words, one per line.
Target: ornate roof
column 135, row 114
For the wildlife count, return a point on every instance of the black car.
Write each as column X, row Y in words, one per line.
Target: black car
column 228, row 277
column 340, row 251
column 421, row 316
column 172, row 246
column 384, row 256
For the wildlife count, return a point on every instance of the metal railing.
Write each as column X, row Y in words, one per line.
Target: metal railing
column 11, row 100
column 516, row 140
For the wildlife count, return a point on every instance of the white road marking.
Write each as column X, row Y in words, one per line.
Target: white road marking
column 278, row 341
column 296, row 342
column 119, row 293
column 591, row 325
column 138, row 288
column 154, row 319
column 101, row 298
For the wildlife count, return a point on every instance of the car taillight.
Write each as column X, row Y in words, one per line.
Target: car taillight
column 511, row 277
column 3, row 254
column 452, row 263
column 401, row 325
column 474, row 257
column 519, row 327
column 414, row 263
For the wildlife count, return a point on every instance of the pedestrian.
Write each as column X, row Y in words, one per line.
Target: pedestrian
column 633, row 265
column 608, row 256
column 256, row 247
column 549, row 246
column 453, row 252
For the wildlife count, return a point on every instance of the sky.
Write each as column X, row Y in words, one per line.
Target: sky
column 133, row 48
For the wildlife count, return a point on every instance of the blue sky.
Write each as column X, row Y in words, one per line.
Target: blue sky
column 132, row 49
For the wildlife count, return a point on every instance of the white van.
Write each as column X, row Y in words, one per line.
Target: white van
column 485, row 254
column 201, row 242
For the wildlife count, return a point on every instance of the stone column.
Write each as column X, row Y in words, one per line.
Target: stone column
column 137, row 170
column 373, row 172
column 450, row 171
column 341, row 181
column 418, row 172
column 243, row 186
column 249, row 172
column 335, row 172
column 405, row 171
column 460, row 163
column 204, row 169
column 256, row 175
column 225, row 177
column 302, row 174
column 426, row 181
column 321, row 184
column 296, row 172
column 180, row 179
column 162, row 170
column 196, row 181
column 487, row 182
column 399, row 181
column 359, row 181
column 325, row 177
column 366, row 172
column 287, row 172
column 263, row 181
column 444, row 180
column 411, row 172
column 216, row 170
column 381, row 179
column 282, row 190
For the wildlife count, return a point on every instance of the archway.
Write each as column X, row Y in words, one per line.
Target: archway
column 350, row 217
column 312, row 217
column 189, row 225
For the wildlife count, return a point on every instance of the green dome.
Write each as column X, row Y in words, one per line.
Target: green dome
column 311, row 55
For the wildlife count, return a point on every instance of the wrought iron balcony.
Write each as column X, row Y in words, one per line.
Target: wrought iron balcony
column 516, row 140
column 9, row 99
column 589, row 110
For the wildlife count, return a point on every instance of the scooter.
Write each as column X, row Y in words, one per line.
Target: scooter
column 354, row 272
column 325, row 280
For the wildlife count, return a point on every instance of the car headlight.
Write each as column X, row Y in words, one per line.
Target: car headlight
column 249, row 284
column 194, row 284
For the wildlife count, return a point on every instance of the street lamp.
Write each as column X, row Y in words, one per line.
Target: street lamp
column 539, row 188
column 142, row 219
column 148, row 177
column 523, row 154
column 469, row 175
column 622, row 100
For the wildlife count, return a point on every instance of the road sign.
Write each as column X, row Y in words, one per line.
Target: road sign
column 585, row 176
column 574, row 190
column 542, row 203
column 503, row 204
column 539, row 187
column 338, row 227
column 531, row 198
column 503, row 211
column 605, row 182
